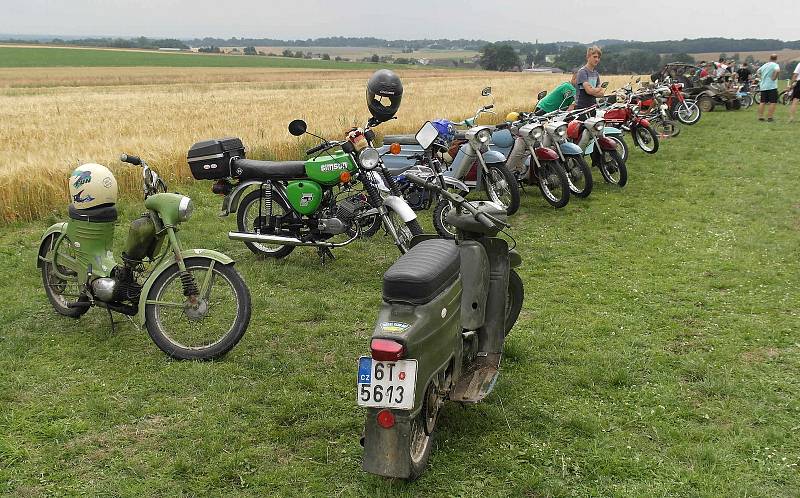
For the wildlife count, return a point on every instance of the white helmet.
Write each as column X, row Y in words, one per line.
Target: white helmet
column 92, row 185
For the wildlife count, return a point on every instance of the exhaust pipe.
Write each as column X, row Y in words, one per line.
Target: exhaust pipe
column 284, row 241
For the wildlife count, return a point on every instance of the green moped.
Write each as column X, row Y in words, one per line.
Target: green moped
column 193, row 302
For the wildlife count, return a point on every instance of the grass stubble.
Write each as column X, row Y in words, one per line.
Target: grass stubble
column 656, row 354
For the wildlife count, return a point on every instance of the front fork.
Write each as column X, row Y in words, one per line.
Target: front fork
column 190, row 290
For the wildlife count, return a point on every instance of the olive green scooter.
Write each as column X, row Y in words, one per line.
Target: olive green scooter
column 193, row 302
column 447, row 308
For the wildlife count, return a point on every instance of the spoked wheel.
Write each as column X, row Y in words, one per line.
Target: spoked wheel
column 646, row 139
column 514, row 298
column 785, row 97
column 405, row 231
column 206, row 324
column 61, row 283
column 689, row 113
column 579, row 175
column 613, row 168
column 502, row 187
column 422, row 430
column 553, row 183
column 664, row 128
column 747, row 101
column 622, row 146
column 757, row 97
column 443, row 228
column 253, row 217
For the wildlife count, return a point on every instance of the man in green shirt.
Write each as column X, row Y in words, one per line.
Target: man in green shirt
column 562, row 97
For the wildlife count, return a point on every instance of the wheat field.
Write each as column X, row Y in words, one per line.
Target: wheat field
column 53, row 119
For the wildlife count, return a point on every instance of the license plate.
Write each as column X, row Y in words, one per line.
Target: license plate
column 386, row 384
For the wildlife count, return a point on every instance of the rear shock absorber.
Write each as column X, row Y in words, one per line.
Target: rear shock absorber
column 266, row 198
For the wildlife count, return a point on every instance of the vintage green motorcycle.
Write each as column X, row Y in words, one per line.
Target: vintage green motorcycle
column 193, row 302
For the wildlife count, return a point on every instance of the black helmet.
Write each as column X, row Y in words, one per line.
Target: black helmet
column 384, row 93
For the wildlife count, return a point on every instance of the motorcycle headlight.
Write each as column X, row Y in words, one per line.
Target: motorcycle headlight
column 185, row 209
column 369, row 158
column 561, row 130
column 483, row 136
column 536, row 133
column 599, row 126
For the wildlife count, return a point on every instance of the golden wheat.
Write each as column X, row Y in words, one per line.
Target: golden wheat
column 52, row 120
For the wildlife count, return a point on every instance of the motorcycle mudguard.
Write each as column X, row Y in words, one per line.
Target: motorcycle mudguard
column 230, row 204
column 502, row 141
column 570, row 149
column 492, row 156
column 188, row 253
column 546, row 154
column 455, row 184
column 401, row 207
column 56, row 228
column 606, row 143
column 644, row 122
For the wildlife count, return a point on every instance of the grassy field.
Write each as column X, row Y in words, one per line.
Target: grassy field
column 52, row 119
column 361, row 52
column 656, row 354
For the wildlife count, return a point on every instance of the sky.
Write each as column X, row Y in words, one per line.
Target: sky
column 492, row 20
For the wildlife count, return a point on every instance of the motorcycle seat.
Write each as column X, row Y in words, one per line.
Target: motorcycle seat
column 400, row 139
column 250, row 169
column 422, row 273
column 97, row 214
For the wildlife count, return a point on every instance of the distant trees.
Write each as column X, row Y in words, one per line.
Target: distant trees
column 250, row 50
column 499, row 57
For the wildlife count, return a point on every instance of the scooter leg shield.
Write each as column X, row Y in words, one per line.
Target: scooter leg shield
column 386, row 451
column 492, row 334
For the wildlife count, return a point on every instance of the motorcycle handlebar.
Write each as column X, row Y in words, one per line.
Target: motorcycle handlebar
column 322, row 146
column 483, row 218
column 135, row 160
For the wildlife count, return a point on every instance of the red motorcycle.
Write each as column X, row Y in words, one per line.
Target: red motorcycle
column 684, row 110
column 625, row 116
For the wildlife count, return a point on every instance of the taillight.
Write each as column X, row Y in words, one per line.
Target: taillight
column 386, row 419
column 387, row 350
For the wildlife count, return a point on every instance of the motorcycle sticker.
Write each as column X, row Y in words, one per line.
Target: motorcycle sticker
column 306, row 199
column 77, row 197
column 394, row 327
column 333, row 167
column 83, row 177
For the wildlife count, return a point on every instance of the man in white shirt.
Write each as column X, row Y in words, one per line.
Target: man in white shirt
column 795, row 92
column 721, row 67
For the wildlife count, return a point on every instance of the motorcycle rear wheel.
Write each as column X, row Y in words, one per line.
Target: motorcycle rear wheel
column 248, row 220
column 502, row 187
column 208, row 329
column 553, row 183
column 665, row 128
column 613, row 168
column 60, row 292
column 423, row 427
column 646, row 139
column 688, row 116
column 514, row 299
column 579, row 175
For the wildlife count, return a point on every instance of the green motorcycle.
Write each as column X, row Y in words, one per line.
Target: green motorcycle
column 193, row 302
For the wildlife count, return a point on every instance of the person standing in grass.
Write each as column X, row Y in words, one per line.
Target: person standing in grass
column 769, row 87
column 795, row 92
column 562, row 97
column 588, row 79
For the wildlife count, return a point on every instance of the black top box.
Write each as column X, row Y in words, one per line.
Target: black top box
column 211, row 159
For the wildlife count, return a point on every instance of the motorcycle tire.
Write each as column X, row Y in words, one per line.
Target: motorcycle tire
column 705, row 103
column 785, row 97
column 502, row 187
column 423, row 428
column 514, row 299
column 204, row 334
column 55, row 287
column 733, row 105
column 747, row 101
column 579, row 175
column 665, row 128
column 247, row 220
column 622, row 146
column 757, row 98
column 405, row 230
column 553, row 183
column 613, row 168
column 444, row 229
column 646, row 139
column 690, row 116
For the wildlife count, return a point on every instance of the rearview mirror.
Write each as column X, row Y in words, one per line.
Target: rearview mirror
column 426, row 135
column 541, row 95
column 297, row 127
column 486, row 91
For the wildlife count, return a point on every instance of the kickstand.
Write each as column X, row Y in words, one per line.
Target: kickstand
column 325, row 254
column 111, row 319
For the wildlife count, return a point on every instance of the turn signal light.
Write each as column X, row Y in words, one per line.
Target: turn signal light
column 386, row 419
column 394, row 148
column 387, row 350
column 344, row 177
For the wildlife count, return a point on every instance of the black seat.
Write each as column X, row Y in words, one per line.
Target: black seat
column 97, row 214
column 250, row 169
column 422, row 273
column 400, row 139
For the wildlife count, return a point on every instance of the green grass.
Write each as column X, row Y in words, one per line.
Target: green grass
column 656, row 354
column 74, row 57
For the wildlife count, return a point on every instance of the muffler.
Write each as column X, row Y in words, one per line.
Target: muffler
column 284, row 241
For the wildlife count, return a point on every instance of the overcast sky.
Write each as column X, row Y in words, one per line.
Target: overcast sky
column 492, row 20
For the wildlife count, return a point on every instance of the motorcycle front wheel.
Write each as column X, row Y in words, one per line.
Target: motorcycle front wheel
column 514, row 298
column 579, row 175
column 646, row 139
column 747, row 101
column 502, row 187
column 250, row 219
column 405, row 231
column 204, row 325
column 622, row 146
column 440, row 224
column 553, row 183
column 688, row 114
column 664, row 128
column 59, row 282
column 613, row 168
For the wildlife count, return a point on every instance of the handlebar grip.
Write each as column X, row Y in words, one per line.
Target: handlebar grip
column 314, row 150
column 503, row 125
column 416, row 180
column 484, row 220
column 135, row 160
column 490, row 106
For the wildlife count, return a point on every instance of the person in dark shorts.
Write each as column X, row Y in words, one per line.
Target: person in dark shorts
column 769, row 87
column 744, row 74
column 795, row 92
